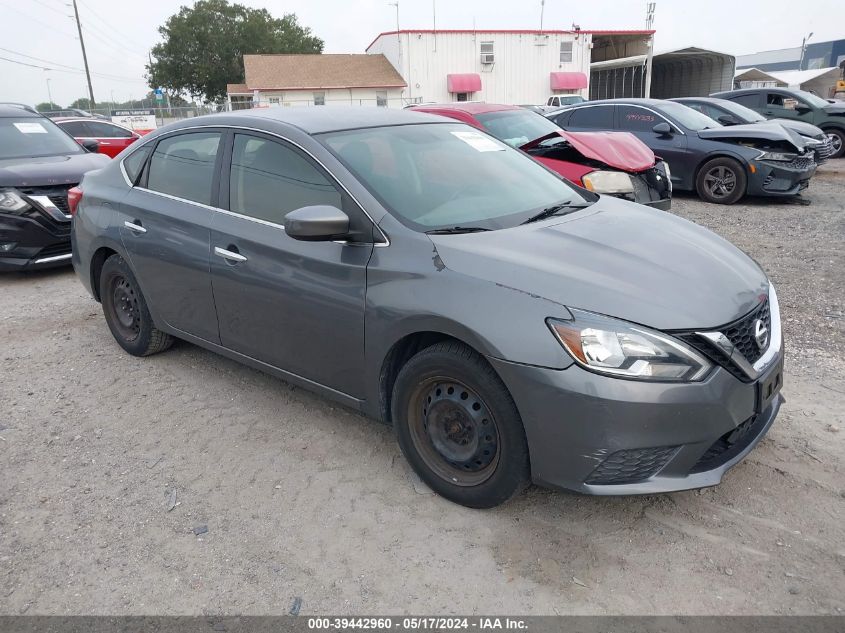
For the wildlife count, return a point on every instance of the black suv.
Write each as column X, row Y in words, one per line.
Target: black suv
column 39, row 162
column 798, row 105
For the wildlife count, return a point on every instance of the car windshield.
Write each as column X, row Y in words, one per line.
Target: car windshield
column 32, row 137
column 741, row 112
column 440, row 176
column 687, row 117
column 516, row 127
column 810, row 98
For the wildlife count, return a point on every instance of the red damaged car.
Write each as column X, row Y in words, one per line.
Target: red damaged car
column 612, row 163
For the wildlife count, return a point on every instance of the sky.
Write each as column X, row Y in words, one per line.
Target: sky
column 119, row 33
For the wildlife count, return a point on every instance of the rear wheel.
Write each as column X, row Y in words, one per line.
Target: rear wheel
column 837, row 142
column 721, row 180
column 459, row 428
column 126, row 311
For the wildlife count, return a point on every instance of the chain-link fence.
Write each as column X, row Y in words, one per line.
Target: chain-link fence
column 245, row 103
column 164, row 115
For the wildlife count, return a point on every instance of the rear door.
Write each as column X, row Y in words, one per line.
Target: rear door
column 295, row 305
column 113, row 139
column 165, row 226
column 587, row 118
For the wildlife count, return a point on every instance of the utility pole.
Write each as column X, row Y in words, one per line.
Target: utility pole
column 84, row 56
column 804, row 50
column 49, row 94
column 649, row 20
column 542, row 8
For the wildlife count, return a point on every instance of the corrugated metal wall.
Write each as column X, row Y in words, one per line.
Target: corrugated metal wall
column 691, row 76
column 628, row 81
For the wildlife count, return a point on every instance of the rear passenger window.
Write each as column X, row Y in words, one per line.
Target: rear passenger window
column 269, row 179
column 592, row 117
column 749, row 100
column 76, row 129
column 637, row 119
column 183, row 166
column 133, row 163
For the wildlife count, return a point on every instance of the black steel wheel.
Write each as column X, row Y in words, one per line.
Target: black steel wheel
column 126, row 310
column 459, row 427
column 721, row 180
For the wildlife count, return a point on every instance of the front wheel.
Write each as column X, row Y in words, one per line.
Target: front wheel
column 126, row 311
column 721, row 180
column 459, row 428
column 837, row 142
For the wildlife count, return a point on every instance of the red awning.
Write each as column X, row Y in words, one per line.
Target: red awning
column 467, row 82
column 568, row 81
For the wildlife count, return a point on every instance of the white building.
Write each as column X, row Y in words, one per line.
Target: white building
column 305, row 80
column 512, row 67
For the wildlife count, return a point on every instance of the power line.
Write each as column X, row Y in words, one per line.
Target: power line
column 67, row 69
column 110, row 27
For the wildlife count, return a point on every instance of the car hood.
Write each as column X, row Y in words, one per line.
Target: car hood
column 49, row 170
column 835, row 108
column 770, row 131
column 617, row 258
column 804, row 129
column 621, row 150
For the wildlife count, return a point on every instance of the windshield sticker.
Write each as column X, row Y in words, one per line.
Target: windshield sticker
column 479, row 142
column 30, row 128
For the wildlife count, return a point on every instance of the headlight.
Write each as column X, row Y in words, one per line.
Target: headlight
column 609, row 182
column 781, row 156
column 617, row 348
column 11, row 202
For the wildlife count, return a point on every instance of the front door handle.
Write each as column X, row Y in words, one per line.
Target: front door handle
column 232, row 256
column 135, row 226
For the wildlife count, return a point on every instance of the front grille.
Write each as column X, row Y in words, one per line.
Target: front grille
column 61, row 203
column 631, row 466
column 801, row 162
column 730, row 444
column 823, row 149
column 741, row 334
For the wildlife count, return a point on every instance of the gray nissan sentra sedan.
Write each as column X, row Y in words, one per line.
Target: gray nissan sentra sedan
column 510, row 326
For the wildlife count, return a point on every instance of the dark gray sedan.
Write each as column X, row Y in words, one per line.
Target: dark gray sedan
column 509, row 325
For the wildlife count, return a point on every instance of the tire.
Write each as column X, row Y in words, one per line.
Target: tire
column 459, row 428
column 837, row 138
column 721, row 181
column 126, row 311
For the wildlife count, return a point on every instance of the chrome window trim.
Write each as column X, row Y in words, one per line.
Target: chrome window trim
column 630, row 105
column 138, row 146
column 723, row 344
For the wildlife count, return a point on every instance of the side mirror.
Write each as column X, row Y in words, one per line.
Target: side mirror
column 727, row 119
column 91, row 145
column 662, row 129
column 318, row 223
column 802, row 108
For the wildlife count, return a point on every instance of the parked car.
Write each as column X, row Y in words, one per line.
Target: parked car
column 111, row 137
column 796, row 105
column 614, row 164
column 73, row 112
column 38, row 164
column 729, row 112
column 509, row 325
column 564, row 100
column 721, row 163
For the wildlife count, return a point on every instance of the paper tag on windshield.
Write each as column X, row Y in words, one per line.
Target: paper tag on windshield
column 479, row 142
column 30, row 128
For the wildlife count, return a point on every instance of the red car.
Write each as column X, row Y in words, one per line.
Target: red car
column 613, row 163
column 111, row 137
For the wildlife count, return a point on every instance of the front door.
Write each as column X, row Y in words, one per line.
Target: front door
column 670, row 147
column 298, row 306
column 113, row 139
column 164, row 223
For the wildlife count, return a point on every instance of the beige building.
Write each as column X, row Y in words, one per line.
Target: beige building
column 306, row 80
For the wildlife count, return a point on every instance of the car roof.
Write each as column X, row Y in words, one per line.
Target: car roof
column 654, row 103
column 319, row 119
column 17, row 111
column 471, row 107
column 713, row 100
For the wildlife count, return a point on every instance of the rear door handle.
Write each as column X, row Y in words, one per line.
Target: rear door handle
column 230, row 255
column 135, row 226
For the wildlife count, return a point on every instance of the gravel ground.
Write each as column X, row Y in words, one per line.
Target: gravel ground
column 109, row 465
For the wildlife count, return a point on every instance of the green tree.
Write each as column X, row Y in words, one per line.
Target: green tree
column 83, row 103
column 203, row 46
column 47, row 107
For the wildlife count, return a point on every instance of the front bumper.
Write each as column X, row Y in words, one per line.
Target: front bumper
column 601, row 435
column 772, row 178
column 40, row 242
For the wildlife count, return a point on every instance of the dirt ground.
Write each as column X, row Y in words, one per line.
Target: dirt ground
column 108, row 464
